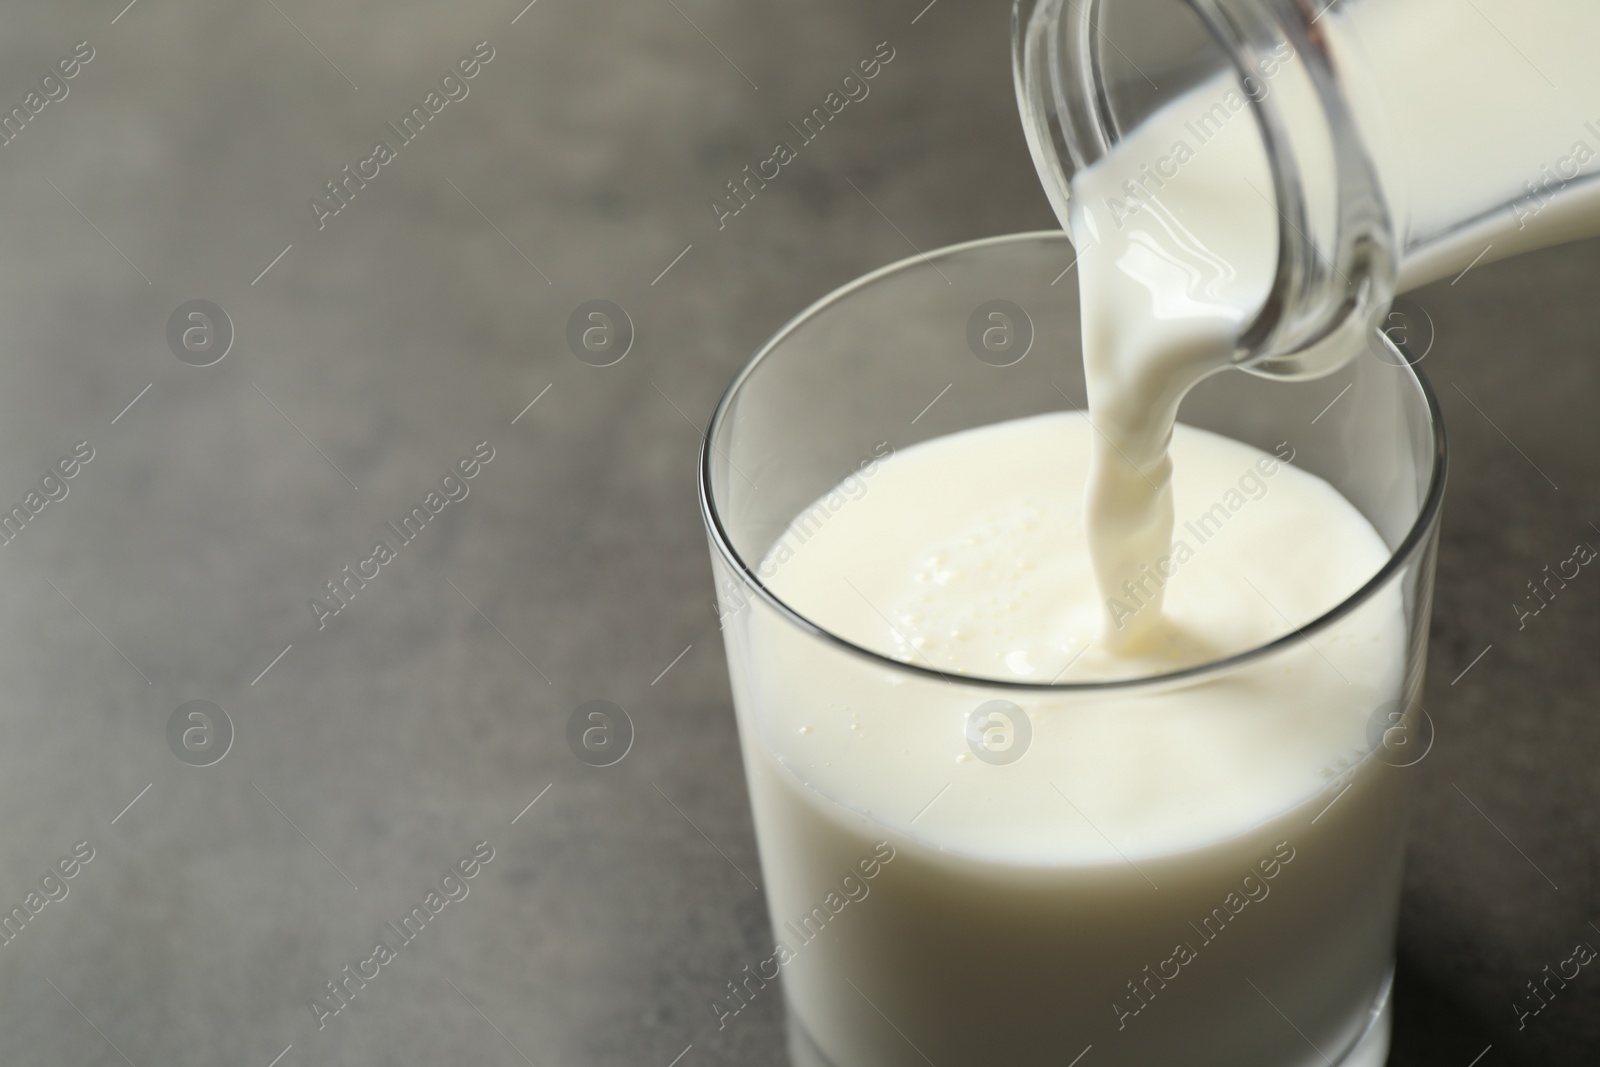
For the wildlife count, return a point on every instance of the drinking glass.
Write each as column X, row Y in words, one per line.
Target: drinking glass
column 894, row 947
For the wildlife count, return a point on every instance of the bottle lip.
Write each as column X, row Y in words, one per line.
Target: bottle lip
column 1415, row 542
column 1336, row 264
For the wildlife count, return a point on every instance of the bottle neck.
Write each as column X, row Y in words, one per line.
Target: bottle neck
column 1083, row 87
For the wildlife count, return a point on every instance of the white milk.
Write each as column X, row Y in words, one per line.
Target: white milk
column 1023, row 901
column 1467, row 105
column 1177, row 227
column 1206, row 875
column 1167, row 280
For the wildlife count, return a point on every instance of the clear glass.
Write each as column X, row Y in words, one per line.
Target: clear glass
column 1406, row 138
column 960, row 959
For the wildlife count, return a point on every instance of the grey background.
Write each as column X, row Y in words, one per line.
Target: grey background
column 415, row 724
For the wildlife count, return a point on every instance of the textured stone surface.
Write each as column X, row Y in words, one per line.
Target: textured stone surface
column 379, row 749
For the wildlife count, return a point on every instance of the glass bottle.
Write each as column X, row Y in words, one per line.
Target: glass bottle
column 1407, row 140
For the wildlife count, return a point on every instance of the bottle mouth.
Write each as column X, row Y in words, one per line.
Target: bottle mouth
column 1088, row 73
column 745, row 564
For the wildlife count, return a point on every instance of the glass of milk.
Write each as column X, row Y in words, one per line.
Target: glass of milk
column 984, row 841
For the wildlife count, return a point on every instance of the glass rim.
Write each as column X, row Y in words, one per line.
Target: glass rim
column 1400, row 557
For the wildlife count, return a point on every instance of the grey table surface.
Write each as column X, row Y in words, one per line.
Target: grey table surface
column 374, row 351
